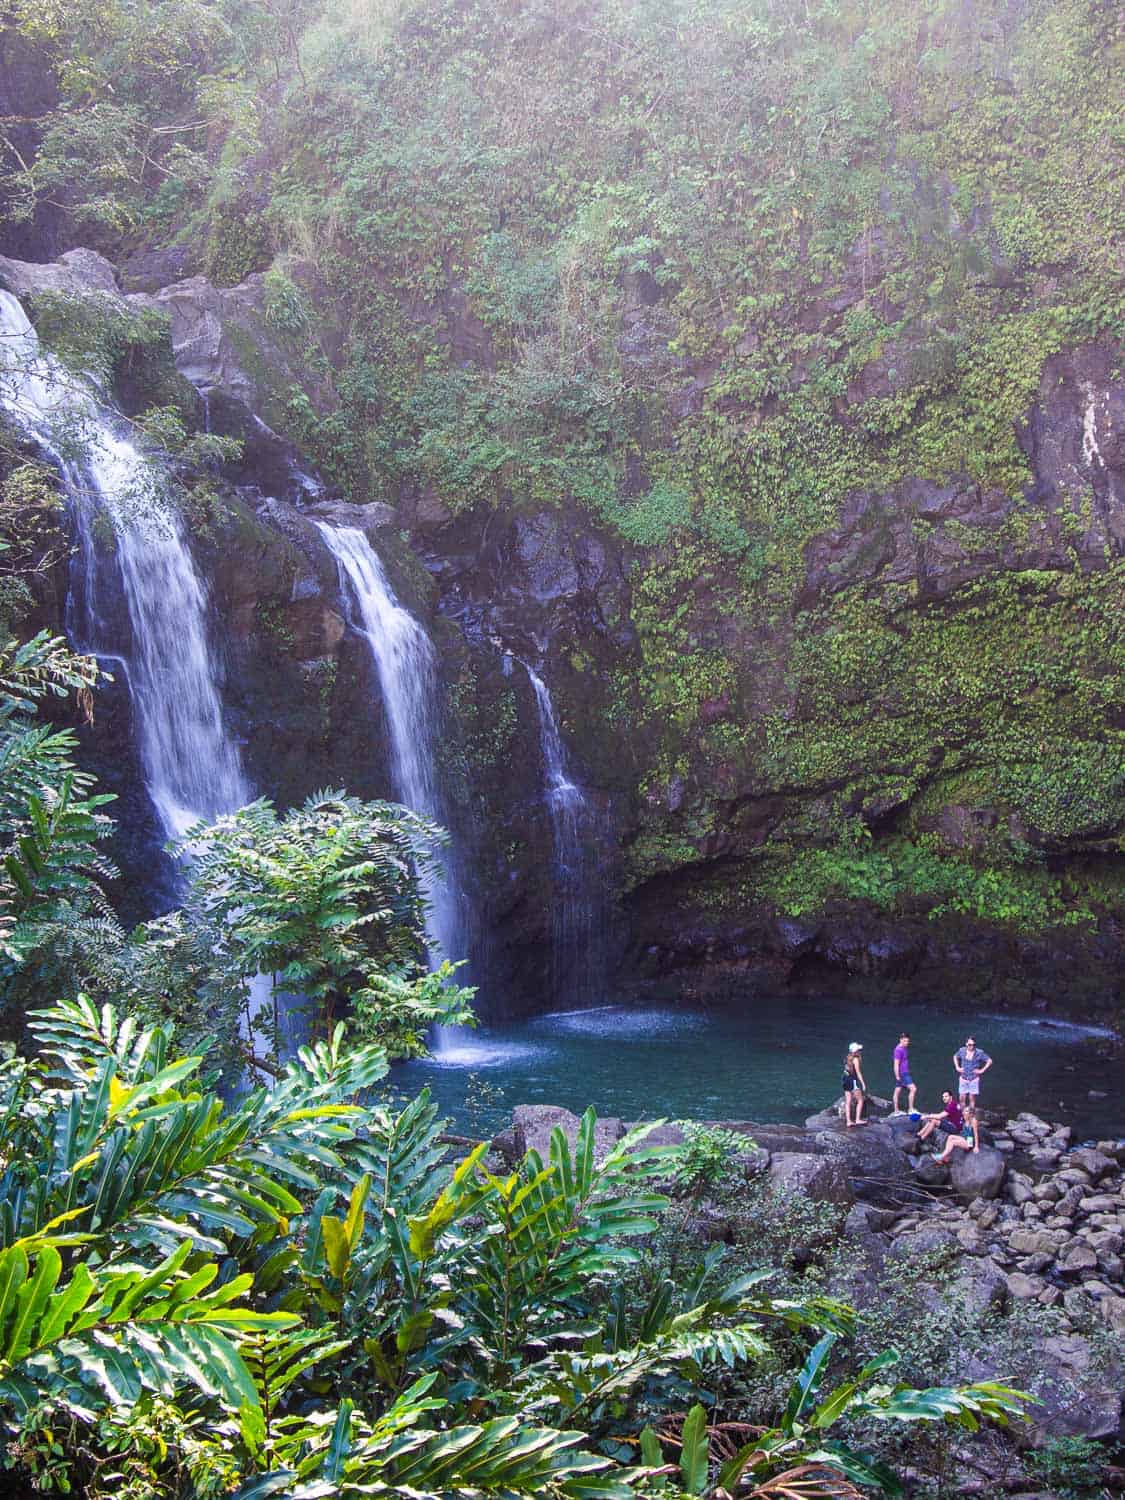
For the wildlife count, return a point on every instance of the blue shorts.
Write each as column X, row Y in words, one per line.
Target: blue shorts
column 905, row 1081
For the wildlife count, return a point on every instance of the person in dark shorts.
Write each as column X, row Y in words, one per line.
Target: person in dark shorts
column 949, row 1121
column 903, row 1079
column 855, row 1089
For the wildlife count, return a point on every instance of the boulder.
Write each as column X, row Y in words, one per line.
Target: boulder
column 827, row 1119
column 931, row 1173
column 1077, row 1257
column 537, row 1121
column 977, row 1174
column 1023, row 1286
column 924, row 1242
column 75, row 273
column 1043, row 1161
column 1081, row 1396
column 1097, row 1163
column 1020, row 1189
column 978, row 1287
column 971, row 1240
column 904, row 1133
column 1031, row 1241
column 873, row 1159
column 1099, row 1203
column 821, row 1178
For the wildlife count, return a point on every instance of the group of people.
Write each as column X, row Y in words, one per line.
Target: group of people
column 956, row 1120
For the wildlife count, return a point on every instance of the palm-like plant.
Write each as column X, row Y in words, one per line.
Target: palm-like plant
column 320, row 897
column 50, row 820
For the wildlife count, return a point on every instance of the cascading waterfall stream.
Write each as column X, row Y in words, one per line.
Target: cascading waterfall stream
column 579, row 915
column 191, row 767
column 406, row 666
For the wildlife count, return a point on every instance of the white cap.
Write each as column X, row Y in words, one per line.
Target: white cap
column 855, row 1047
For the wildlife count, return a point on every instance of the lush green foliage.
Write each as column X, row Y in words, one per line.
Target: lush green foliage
column 326, row 899
column 298, row 1293
column 706, row 273
column 50, row 820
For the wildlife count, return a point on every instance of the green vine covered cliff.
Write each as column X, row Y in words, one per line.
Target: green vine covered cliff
column 808, row 317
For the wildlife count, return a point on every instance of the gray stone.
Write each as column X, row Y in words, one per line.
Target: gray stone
column 977, row 1174
column 75, row 273
column 931, row 1173
column 1080, row 1396
column 1078, row 1303
column 1020, row 1188
column 1042, row 1160
column 1069, row 1202
column 978, row 1287
column 1030, row 1241
column 536, row 1122
column 510, row 1146
column 1098, row 1203
column 1071, row 1175
column 927, row 1240
column 1111, row 1265
column 1037, row 1263
column 1097, row 1163
column 1023, row 1286
column 1105, row 1241
column 1075, row 1258
column 821, row 1178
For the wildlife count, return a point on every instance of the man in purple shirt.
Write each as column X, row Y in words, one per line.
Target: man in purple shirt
column 903, row 1079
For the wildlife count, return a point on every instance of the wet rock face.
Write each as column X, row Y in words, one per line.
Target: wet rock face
column 551, row 587
column 916, row 533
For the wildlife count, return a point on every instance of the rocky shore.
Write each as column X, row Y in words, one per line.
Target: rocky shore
column 1032, row 1220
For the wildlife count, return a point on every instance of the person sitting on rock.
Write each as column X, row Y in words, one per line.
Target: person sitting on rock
column 903, row 1079
column 854, row 1086
column 949, row 1120
column 970, row 1065
column 968, row 1140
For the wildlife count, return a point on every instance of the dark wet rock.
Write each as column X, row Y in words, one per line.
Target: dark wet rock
column 931, row 1173
column 510, row 1146
column 151, row 270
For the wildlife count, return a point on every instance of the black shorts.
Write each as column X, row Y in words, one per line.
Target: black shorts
column 851, row 1085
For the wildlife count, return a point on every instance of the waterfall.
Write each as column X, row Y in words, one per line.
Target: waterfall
column 191, row 767
column 579, row 916
column 406, row 666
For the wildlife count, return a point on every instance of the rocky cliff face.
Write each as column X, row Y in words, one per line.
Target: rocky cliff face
column 803, row 784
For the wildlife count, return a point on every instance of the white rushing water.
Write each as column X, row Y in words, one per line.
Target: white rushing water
column 578, row 910
column 406, row 666
column 191, row 767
